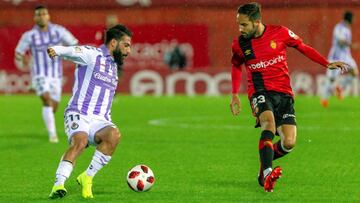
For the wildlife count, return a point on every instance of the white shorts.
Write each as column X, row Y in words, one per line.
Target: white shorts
column 44, row 84
column 75, row 122
column 334, row 73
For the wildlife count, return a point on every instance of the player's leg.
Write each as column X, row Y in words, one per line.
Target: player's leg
column 267, row 122
column 287, row 142
column 330, row 86
column 77, row 130
column 106, row 139
column 43, row 90
column 79, row 141
column 55, row 93
column 262, row 108
column 48, row 116
column 353, row 72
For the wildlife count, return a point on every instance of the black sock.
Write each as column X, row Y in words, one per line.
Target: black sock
column 278, row 150
column 266, row 149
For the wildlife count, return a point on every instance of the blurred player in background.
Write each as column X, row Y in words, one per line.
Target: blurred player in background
column 262, row 49
column 88, row 114
column 46, row 73
column 111, row 21
column 340, row 51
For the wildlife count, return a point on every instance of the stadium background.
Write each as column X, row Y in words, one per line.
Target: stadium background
column 204, row 29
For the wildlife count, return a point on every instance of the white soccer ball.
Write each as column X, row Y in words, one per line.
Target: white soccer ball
column 140, row 178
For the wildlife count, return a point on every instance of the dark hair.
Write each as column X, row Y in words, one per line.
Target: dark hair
column 252, row 10
column 117, row 32
column 348, row 15
column 40, row 7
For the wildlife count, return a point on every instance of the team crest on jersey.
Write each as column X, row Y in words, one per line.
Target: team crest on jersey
column 74, row 126
column 273, row 44
column 248, row 52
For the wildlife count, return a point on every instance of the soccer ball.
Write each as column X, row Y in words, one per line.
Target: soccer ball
column 140, row 178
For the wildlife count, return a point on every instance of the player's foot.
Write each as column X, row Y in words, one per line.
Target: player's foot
column 86, row 184
column 53, row 139
column 270, row 179
column 261, row 176
column 324, row 103
column 58, row 192
column 339, row 93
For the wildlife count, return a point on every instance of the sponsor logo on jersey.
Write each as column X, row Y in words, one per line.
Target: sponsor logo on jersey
column 265, row 64
column 273, row 44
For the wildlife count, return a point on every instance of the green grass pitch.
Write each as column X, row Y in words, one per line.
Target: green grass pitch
column 198, row 151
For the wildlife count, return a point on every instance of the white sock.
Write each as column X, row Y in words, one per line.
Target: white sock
column 98, row 161
column 327, row 90
column 267, row 171
column 63, row 172
column 49, row 119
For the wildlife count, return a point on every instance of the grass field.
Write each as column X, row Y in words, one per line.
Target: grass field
column 197, row 150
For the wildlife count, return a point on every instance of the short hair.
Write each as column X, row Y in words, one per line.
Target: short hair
column 117, row 32
column 348, row 16
column 252, row 10
column 40, row 7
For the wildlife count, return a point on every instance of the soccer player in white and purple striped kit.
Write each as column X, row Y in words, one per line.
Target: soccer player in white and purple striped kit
column 88, row 114
column 46, row 74
column 340, row 51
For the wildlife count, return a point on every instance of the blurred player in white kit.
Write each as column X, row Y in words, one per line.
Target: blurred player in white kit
column 46, row 74
column 340, row 51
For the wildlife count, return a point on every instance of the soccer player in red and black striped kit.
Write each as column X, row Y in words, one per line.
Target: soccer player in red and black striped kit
column 262, row 50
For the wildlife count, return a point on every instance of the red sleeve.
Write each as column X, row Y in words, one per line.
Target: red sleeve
column 312, row 54
column 236, row 62
column 292, row 40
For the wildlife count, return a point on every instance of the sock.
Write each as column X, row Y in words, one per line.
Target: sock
column 266, row 149
column 49, row 119
column 327, row 91
column 63, row 172
column 279, row 150
column 267, row 171
column 98, row 161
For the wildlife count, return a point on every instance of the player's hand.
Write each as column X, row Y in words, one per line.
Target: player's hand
column 339, row 65
column 51, row 52
column 235, row 105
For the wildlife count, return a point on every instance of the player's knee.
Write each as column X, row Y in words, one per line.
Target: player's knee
column 79, row 143
column 46, row 100
column 115, row 136
column 289, row 144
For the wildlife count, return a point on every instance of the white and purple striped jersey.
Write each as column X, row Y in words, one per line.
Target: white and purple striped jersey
column 38, row 41
column 340, row 52
column 95, row 79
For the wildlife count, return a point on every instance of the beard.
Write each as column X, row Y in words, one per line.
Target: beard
column 251, row 33
column 118, row 57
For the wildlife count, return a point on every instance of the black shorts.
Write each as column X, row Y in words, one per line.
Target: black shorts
column 282, row 105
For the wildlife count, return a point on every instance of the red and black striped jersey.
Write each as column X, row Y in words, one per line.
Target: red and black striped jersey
column 265, row 58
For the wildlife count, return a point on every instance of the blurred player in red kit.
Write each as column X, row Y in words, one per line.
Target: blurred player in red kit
column 262, row 50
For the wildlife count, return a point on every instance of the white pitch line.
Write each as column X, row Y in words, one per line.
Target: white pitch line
column 186, row 122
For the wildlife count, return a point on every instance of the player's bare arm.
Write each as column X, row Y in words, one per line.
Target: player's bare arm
column 22, row 62
column 235, row 104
